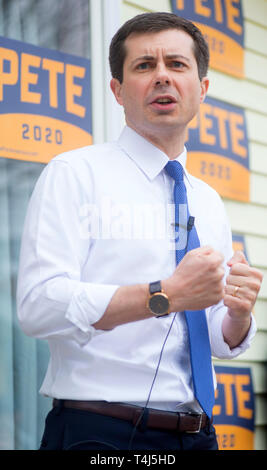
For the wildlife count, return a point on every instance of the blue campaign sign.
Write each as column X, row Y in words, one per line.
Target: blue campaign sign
column 45, row 101
column 221, row 22
column 218, row 150
column 239, row 244
column 234, row 409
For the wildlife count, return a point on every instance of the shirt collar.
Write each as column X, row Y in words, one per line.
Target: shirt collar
column 149, row 158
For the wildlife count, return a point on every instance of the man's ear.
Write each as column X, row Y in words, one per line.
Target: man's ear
column 204, row 84
column 116, row 88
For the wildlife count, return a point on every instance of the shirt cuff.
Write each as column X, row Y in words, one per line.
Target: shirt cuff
column 222, row 349
column 88, row 304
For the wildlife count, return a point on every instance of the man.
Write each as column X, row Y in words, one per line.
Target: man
column 120, row 373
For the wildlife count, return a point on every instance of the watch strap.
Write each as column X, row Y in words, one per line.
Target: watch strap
column 155, row 287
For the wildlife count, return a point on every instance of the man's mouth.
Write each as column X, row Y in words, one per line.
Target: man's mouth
column 164, row 102
column 164, row 99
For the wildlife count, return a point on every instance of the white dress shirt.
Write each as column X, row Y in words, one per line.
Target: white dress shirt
column 101, row 217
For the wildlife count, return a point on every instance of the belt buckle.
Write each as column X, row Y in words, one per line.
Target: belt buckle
column 200, row 423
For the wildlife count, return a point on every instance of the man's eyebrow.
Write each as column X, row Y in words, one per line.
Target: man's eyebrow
column 168, row 56
column 178, row 56
column 143, row 57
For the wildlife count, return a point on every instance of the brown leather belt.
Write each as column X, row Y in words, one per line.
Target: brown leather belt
column 157, row 419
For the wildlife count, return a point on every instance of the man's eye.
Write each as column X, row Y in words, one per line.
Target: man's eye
column 177, row 64
column 143, row 66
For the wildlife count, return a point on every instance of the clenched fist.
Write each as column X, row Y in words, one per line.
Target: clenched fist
column 197, row 282
column 242, row 286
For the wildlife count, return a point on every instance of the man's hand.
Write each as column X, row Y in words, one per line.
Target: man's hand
column 242, row 287
column 241, row 290
column 197, row 282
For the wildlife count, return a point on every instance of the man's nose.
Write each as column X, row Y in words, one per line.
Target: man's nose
column 162, row 76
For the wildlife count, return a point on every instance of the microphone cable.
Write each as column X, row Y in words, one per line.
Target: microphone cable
column 190, row 225
column 152, row 385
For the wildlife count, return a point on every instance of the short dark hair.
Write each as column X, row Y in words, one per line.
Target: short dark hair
column 152, row 23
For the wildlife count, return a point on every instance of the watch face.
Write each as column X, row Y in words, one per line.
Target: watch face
column 159, row 304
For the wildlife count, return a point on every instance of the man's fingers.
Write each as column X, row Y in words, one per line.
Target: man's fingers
column 236, row 280
column 240, row 269
column 209, row 251
column 203, row 250
column 238, row 257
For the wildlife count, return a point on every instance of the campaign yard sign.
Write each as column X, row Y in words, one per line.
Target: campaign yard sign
column 221, row 22
column 45, row 102
column 239, row 244
column 218, row 151
column 234, row 409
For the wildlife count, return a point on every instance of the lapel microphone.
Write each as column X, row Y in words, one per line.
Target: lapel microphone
column 190, row 224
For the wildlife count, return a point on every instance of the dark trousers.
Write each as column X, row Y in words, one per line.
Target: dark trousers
column 69, row 429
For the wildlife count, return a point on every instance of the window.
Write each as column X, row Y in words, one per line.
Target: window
column 61, row 25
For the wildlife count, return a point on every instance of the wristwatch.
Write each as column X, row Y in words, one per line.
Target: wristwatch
column 158, row 302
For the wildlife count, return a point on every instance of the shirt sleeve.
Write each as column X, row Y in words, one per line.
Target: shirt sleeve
column 219, row 348
column 52, row 297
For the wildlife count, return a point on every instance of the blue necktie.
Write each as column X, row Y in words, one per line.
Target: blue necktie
column 200, row 352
